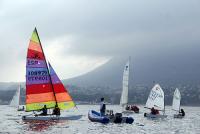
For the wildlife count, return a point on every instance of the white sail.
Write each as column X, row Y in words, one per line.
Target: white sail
column 176, row 100
column 16, row 98
column 125, row 85
column 156, row 98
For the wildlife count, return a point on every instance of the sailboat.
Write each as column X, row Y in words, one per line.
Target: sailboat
column 156, row 100
column 15, row 102
column 176, row 103
column 125, row 87
column 43, row 87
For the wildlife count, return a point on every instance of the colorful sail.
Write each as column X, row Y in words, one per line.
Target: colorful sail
column 39, row 90
column 63, row 98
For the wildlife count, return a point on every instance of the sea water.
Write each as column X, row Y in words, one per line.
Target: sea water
column 11, row 122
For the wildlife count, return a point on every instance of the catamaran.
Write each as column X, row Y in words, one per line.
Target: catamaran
column 156, row 100
column 43, row 87
column 176, row 103
column 124, row 95
column 15, row 102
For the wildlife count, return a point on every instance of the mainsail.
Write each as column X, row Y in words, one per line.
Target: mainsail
column 39, row 89
column 156, row 98
column 176, row 100
column 16, row 98
column 125, row 85
column 63, row 98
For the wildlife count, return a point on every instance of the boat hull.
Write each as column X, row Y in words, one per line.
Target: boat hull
column 96, row 117
column 178, row 116
column 20, row 109
column 152, row 116
column 48, row 118
column 130, row 112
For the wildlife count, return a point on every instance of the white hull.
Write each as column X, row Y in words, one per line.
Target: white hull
column 152, row 116
column 129, row 112
column 178, row 116
column 48, row 118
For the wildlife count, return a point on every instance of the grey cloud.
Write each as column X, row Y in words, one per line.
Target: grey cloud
column 101, row 27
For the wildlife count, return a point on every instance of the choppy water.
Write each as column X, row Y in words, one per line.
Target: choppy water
column 11, row 123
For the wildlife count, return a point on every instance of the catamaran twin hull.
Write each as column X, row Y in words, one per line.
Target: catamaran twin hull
column 50, row 118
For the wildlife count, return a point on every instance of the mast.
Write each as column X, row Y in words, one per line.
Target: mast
column 180, row 102
column 129, row 60
column 19, row 95
column 164, row 105
column 47, row 66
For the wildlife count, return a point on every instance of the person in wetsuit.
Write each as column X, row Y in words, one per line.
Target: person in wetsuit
column 102, row 107
column 182, row 112
column 56, row 110
column 44, row 111
column 154, row 111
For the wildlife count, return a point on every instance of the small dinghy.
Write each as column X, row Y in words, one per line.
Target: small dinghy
column 126, row 109
column 178, row 116
column 153, row 116
column 96, row 117
column 15, row 102
column 156, row 100
column 117, row 118
column 176, row 104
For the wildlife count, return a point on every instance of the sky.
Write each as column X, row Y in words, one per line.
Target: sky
column 79, row 35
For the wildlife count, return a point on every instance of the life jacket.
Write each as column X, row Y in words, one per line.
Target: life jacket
column 103, row 108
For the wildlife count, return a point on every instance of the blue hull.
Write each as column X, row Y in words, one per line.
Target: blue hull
column 96, row 117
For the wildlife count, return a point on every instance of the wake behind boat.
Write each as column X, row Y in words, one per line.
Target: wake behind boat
column 155, row 103
column 44, row 90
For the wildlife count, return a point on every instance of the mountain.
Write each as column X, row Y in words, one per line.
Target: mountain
column 170, row 67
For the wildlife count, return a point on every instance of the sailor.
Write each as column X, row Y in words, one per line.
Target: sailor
column 23, row 108
column 102, row 107
column 127, row 107
column 154, row 111
column 182, row 112
column 135, row 108
column 56, row 110
column 44, row 111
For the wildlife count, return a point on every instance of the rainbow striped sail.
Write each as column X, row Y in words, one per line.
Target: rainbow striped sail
column 39, row 86
column 63, row 98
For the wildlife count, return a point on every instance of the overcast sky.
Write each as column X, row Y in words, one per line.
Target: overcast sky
column 79, row 35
